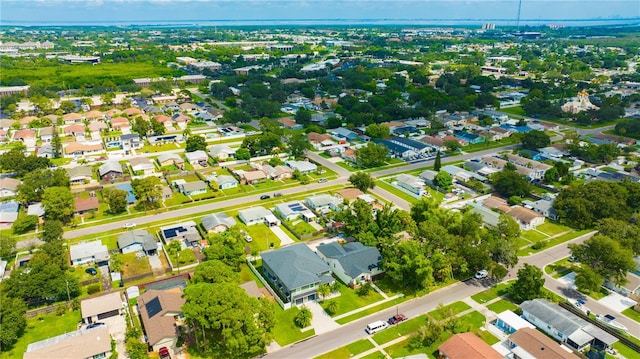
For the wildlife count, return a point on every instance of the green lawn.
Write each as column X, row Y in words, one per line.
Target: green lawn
column 552, row 228
column 41, row 328
column 161, row 147
column 348, row 351
column 285, row 331
column 625, row 350
column 398, row 192
column 476, row 147
column 396, row 331
column 629, row 312
column 449, row 310
column 132, row 265
column 559, row 268
column 502, row 306
column 533, row 236
column 375, row 355
column 247, row 275
column 262, row 237
column 349, row 300
column 491, row 293
column 516, row 110
column 372, row 310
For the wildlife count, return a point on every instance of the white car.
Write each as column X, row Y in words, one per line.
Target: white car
column 481, row 274
column 129, row 225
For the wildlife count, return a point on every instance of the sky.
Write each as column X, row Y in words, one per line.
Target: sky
column 35, row 12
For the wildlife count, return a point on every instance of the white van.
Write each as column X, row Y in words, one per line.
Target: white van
column 376, row 326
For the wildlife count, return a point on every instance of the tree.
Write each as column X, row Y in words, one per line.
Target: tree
column 332, row 307
column 371, row 155
column 58, row 203
column 303, row 317
column 116, row 199
column 52, row 231
column 303, row 116
column 35, row 182
column 406, row 263
column 67, row 106
column 157, row 127
column 533, row 140
column 298, row 143
column 452, row 145
column 510, row 183
column 228, row 249
column 605, row 257
column 443, row 180
column 235, row 116
column 147, row 190
column 333, row 122
column 141, row 126
column 215, row 271
column 196, row 143
column 14, row 160
column 437, row 164
column 243, row 154
column 528, row 285
column 25, row 224
column 323, row 290
column 56, row 143
column 107, row 98
column 7, row 246
column 12, row 321
column 587, row 280
column 362, row 181
column 376, row 131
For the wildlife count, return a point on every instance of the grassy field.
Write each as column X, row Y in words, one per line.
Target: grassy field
column 552, row 229
column 516, row 110
column 286, row 332
column 629, row 312
column 396, row 331
column 40, row 328
column 502, row 306
column 374, row 309
column 396, row 191
column 348, row 351
column 349, row 300
column 491, row 293
column 449, row 310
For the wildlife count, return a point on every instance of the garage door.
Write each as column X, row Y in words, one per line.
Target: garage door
column 112, row 313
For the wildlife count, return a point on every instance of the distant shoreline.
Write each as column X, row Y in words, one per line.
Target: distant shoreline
column 326, row 22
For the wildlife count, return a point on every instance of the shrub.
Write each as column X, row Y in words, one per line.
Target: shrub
column 25, row 224
column 93, row 288
column 333, row 307
column 539, row 245
column 364, row 290
column 61, row 310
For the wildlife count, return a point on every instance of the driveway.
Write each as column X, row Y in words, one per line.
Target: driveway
column 284, row 238
column 117, row 327
column 106, row 278
column 321, row 321
column 156, row 264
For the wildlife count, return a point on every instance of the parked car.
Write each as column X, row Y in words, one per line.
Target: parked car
column 397, row 319
column 164, row 353
column 481, row 274
column 322, row 180
column 95, row 325
column 572, row 259
column 277, row 194
column 265, row 196
column 129, row 225
column 91, row 271
column 248, row 238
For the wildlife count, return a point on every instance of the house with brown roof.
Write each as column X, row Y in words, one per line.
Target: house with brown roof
column 161, row 313
column 320, row 140
column 94, row 115
column 349, row 155
column 46, row 134
column 466, row 346
column 72, row 118
column 460, row 141
column 25, row 121
column 84, row 205
column 498, row 203
column 142, row 166
column 435, row 142
column 289, row 123
column 252, row 177
column 526, row 218
column 27, row 136
column 83, row 343
column 349, row 194
column 76, row 130
column 79, row 148
column 132, row 111
column 8, row 187
column 530, row 343
column 98, row 308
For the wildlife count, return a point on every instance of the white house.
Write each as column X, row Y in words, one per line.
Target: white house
column 304, row 167
column 411, row 183
column 142, row 166
column 257, row 215
column 221, row 152
column 323, row 203
column 89, row 252
column 137, row 240
column 8, row 187
column 354, row 263
column 226, row 182
column 196, row 157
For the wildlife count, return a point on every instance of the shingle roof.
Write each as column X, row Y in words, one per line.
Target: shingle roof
column 354, row 257
column 296, row 265
column 156, row 324
column 84, row 343
column 539, row 345
column 102, row 304
column 89, row 249
column 215, row 219
column 137, row 236
column 468, row 345
column 109, row 167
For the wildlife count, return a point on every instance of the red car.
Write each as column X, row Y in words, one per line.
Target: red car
column 397, row 319
column 164, row 353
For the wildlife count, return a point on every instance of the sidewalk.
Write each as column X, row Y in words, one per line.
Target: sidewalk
column 366, row 307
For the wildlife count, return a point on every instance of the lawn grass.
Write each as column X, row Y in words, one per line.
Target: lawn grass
column 449, row 310
column 406, row 347
column 349, row 300
column 396, row 331
column 133, row 265
column 247, row 275
column 502, row 306
column 372, row 310
column 522, row 252
column 476, row 147
column 395, row 191
column 285, row 331
column 624, row 350
column 632, row 314
column 515, row 110
column 348, row 351
column 375, row 355
column 533, row 236
column 560, row 268
column 491, row 293
column 552, row 229
column 40, row 328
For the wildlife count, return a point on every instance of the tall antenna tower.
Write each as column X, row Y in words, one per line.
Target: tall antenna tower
column 518, row 18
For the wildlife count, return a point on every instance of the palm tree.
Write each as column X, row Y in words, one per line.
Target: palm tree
column 303, row 318
column 324, row 290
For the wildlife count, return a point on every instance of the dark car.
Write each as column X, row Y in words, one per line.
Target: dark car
column 265, row 196
column 95, row 325
column 91, row 271
column 164, row 353
column 397, row 319
column 277, row 194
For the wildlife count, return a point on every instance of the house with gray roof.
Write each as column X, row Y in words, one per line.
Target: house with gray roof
column 489, row 217
column 45, row 151
column 542, row 206
column 461, row 174
column 217, row 222
column 323, row 203
column 294, row 210
column 354, row 263
column 89, row 252
column 304, row 167
column 222, row 152
column 79, row 174
column 226, row 182
column 185, row 231
column 565, row 326
column 256, row 215
column 137, row 240
column 295, row 272
column 110, row 170
column 193, row 188
column 411, row 183
column 170, row 159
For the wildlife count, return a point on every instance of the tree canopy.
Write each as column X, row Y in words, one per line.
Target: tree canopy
column 534, row 140
column 362, row 181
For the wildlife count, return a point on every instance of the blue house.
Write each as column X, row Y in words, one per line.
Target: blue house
column 469, row 137
column 131, row 198
column 344, row 133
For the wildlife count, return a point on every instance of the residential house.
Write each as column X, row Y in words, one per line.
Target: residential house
column 413, row 145
column 295, row 272
column 489, row 217
column 552, row 153
column 471, row 138
column 170, row 159
column 35, row 209
column 252, row 177
column 354, row 263
column 119, row 123
column 305, row 167
column 278, row 172
column 465, row 346
column 323, row 203
column 130, row 141
column 500, row 133
column 83, row 343
column 89, row 252
column 222, row 152
column 185, row 231
column 428, row 176
column 231, row 131
column 319, row 141
column 131, row 198
column 110, row 170
column 26, row 136
column 131, row 111
column 293, row 210
column 563, row 325
column 71, row 118
column 193, row 188
column 397, row 150
column 45, row 151
column 9, row 212
column 530, row 343
column 105, row 306
column 411, row 183
column 257, row 215
column 509, row 322
column 226, row 182
column 84, row 205
column 461, row 174
column 161, row 314
column 189, row 107
column 437, row 143
column 526, row 218
column 8, row 187
column 498, row 164
column 342, row 133
column 461, row 141
column 498, row 203
column 79, row 175
column 349, row 194
column 289, row 123
column 46, row 134
column 83, row 148
column 217, row 222
column 181, row 120
column 350, row 155
column 142, row 166
column 197, row 157
column 542, row 206
column 137, row 240
column 538, row 168
column 75, row 130
column 96, row 127
column 94, row 115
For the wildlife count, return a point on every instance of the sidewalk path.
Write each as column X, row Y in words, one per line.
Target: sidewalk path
column 321, row 321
